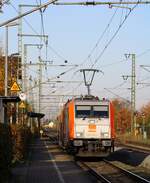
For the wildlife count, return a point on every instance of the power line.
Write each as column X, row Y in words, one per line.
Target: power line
column 55, row 77
column 118, row 62
column 50, row 47
column 108, row 90
column 42, row 19
column 114, row 35
column 100, row 38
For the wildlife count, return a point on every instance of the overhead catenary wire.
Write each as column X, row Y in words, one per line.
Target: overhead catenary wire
column 43, row 32
column 49, row 47
column 107, row 25
column 121, row 61
column 114, row 35
column 55, row 77
column 97, row 42
column 42, row 19
column 43, row 40
column 100, row 38
column 116, row 95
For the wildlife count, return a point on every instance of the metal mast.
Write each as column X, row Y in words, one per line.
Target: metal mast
column 39, row 46
column 133, row 94
column 133, row 91
column 20, row 32
column 40, row 81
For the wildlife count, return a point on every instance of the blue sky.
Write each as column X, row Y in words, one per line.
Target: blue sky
column 74, row 31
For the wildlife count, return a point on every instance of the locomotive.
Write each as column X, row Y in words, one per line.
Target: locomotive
column 86, row 126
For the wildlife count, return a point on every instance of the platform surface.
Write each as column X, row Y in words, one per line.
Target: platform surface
column 47, row 163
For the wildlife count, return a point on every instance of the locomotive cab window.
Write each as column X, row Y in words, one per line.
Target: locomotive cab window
column 100, row 111
column 83, row 111
column 92, row 111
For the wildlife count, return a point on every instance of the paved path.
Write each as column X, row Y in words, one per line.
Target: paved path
column 48, row 164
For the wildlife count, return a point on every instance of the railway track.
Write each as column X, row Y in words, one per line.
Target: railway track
column 106, row 171
column 52, row 137
column 139, row 149
column 132, row 146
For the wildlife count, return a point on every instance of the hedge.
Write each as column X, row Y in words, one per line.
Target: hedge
column 14, row 140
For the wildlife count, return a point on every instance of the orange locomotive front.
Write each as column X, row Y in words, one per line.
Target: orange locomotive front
column 86, row 125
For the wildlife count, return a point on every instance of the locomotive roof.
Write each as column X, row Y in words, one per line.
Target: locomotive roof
column 90, row 100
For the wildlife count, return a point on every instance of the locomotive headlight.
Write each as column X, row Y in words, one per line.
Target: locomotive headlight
column 78, row 134
column 106, row 134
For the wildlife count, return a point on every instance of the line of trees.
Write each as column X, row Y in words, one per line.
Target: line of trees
column 123, row 117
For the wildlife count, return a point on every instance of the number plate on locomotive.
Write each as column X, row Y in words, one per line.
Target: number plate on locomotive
column 106, row 143
column 92, row 128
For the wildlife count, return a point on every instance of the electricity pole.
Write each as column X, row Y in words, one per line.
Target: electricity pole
column 40, row 81
column 40, row 64
column 133, row 92
column 39, row 46
column 6, row 62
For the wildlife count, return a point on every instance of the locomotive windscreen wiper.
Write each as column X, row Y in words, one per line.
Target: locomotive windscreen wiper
column 84, row 118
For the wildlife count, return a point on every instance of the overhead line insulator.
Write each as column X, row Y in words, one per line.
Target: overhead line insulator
column 90, row 3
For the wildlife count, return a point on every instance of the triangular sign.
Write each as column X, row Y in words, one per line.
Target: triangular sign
column 15, row 87
column 22, row 105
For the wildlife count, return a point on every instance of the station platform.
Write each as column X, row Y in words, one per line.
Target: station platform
column 47, row 163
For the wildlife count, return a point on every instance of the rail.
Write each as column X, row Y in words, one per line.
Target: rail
column 124, row 175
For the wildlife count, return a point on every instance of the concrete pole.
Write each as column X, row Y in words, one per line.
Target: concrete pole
column 6, row 62
column 25, row 70
column 6, row 56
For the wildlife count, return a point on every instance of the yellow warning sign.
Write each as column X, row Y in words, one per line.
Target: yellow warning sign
column 22, row 105
column 15, row 87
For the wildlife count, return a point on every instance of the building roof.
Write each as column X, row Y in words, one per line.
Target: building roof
column 35, row 115
column 7, row 99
